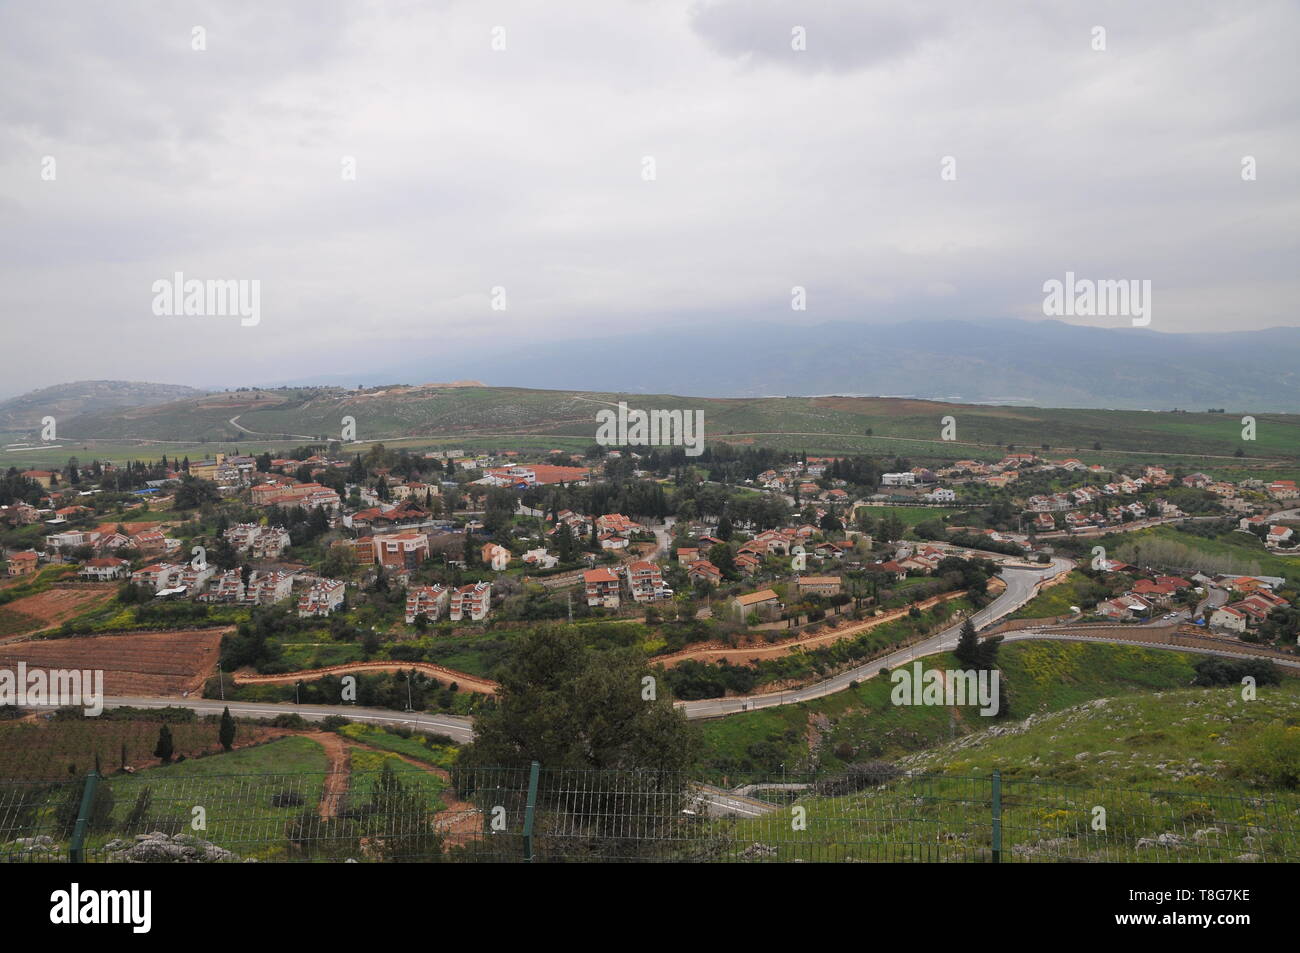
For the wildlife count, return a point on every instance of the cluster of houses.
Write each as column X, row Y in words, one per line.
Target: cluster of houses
column 614, row 531
column 1274, row 536
column 472, row 602
column 1145, row 600
column 643, row 580
column 801, row 478
column 1148, row 597
column 1045, row 522
column 317, row 597
column 1248, row 612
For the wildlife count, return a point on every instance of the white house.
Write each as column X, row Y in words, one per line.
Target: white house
column 105, row 568
column 1226, row 617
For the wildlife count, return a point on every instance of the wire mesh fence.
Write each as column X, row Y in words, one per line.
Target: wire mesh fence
column 532, row 813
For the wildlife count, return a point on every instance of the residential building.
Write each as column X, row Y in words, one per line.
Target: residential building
column 702, row 569
column 105, row 569
column 1228, row 618
column 427, row 601
column 601, row 587
column 540, row 559
column 321, row 598
column 158, row 576
column 257, row 541
column 227, row 587
column 495, row 557
column 267, row 587
column 646, row 582
column 821, row 585
column 472, row 602
column 24, row 563
column 765, row 602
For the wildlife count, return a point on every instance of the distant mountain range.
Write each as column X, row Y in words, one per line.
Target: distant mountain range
column 1044, row 364
column 65, row 401
column 1038, row 363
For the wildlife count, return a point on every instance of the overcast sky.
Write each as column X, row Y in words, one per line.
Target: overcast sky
column 523, row 168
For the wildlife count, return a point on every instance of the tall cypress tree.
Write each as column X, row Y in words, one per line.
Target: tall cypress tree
column 163, row 750
column 968, row 647
column 226, row 734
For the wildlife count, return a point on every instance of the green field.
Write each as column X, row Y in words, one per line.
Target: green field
column 413, row 746
column 1056, row 600
column 1230, row 552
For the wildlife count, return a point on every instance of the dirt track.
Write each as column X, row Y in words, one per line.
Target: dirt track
column 465, row 682
column 714, row 652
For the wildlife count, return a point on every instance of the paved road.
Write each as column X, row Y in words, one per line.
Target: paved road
column 663, row 537
column 1022, row 584
column 454, row 726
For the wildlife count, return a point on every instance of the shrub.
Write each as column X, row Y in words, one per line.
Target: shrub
column 1271, row 757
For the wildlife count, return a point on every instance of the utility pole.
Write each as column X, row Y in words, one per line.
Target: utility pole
column 221, row 682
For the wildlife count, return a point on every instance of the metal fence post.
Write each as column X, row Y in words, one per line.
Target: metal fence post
column 997, row 816
column 76, row 849
column 529, row 811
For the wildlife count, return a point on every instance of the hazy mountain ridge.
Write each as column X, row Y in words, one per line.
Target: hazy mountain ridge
column 65, row 401
column 1039, row 363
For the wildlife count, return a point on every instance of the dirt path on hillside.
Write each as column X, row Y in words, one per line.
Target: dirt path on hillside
column 337, row 775
column 459, row 819
column 464, row 681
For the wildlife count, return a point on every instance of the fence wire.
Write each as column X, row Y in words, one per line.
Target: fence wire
column 532, row 813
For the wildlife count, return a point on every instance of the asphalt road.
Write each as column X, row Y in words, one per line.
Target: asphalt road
column 1022, row 584
column 455, row 727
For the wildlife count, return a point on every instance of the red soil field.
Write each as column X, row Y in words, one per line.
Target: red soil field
column 48, row 609
column 143, row 663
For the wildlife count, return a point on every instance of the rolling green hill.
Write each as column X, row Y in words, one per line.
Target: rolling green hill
column 1043, row 679
column 475, row 416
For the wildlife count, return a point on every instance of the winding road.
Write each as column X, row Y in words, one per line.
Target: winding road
column 1022, row 585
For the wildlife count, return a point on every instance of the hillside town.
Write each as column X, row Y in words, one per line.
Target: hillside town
column 453, row 539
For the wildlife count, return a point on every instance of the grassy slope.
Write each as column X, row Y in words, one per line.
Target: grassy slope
column 861, row 723
column 1242, row 552
column 1055, row 600
column 1094, row 726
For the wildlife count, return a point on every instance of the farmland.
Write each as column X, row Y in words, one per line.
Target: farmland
column 145, row 663
column 46, row 610
column 430, row 416
column 37, row 748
